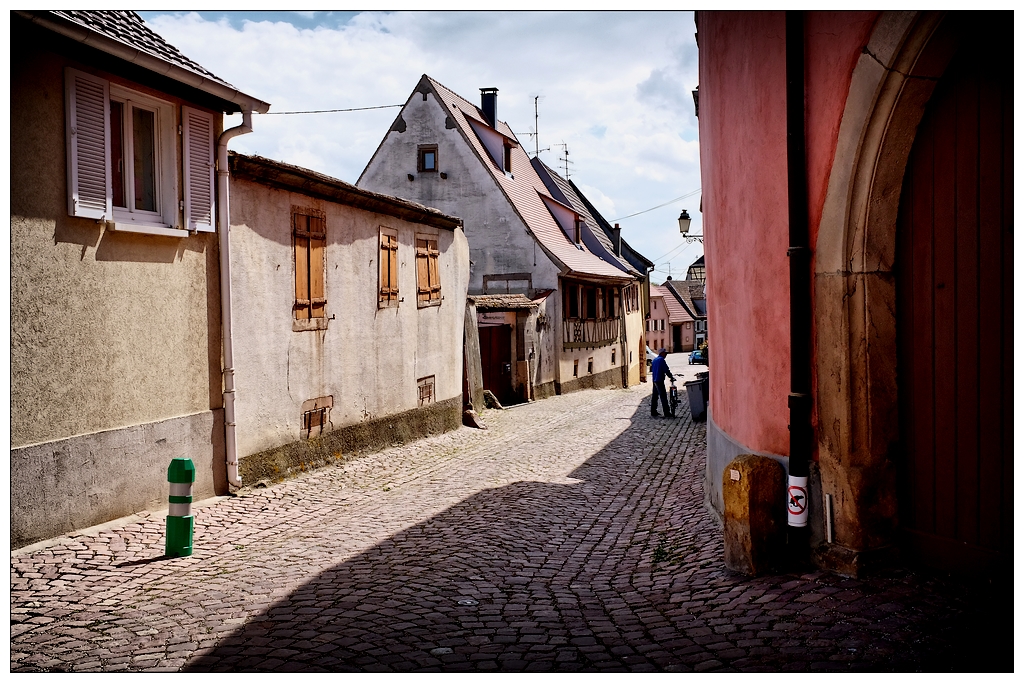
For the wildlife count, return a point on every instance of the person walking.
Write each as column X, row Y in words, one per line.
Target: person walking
column 659, row 368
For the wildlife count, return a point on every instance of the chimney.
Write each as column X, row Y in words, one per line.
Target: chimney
column 617, row 239
column 489, row 103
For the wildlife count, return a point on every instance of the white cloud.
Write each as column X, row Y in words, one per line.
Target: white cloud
column 614, row 86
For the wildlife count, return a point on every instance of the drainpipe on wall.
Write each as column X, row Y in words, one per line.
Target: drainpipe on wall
column 800, row 436
column 223, row 226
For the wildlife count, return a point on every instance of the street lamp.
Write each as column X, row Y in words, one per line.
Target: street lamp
column 684, row 228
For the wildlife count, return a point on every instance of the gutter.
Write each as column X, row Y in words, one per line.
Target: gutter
column 799, row 253
column 223, row 229
column 243, row 102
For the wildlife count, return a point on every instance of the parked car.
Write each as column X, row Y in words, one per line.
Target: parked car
column 697, row 356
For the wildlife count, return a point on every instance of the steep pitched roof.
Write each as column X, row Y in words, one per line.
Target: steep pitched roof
column 523, row 188
column 567, row 193
column 634, row 257
column 677, row 313
column 682, row 292
column 125, row 34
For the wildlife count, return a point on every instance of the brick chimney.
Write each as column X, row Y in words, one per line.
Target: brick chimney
column 489, row 104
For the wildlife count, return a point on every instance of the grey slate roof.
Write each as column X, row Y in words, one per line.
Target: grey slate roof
column 635, row 258
column 567, row 193
column 129, row 28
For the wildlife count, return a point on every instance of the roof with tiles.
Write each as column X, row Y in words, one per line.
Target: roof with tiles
column 564, row 191
column 684, row 291
column 502, row 302
column 129, row 28
column 639, row 262
column 677, row 313
column 524, row 189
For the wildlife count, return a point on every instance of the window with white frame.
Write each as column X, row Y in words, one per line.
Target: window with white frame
column 122, row 159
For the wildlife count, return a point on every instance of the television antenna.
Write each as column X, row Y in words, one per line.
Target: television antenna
column 565, row 158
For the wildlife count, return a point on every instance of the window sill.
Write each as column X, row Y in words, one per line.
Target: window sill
column 428, row 304
column 309, row 324
column 163, row 231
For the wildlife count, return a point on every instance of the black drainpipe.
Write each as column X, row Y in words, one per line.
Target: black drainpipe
column 800, row 434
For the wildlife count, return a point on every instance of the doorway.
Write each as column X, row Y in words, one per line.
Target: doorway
column 954, row 272
column 496, row 359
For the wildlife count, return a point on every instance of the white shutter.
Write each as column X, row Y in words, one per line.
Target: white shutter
column 197, row 129
column 88, row 140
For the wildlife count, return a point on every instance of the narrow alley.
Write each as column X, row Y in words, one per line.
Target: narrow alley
column 570, row 535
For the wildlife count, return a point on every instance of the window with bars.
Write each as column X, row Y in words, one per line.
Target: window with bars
column 428, row 283
column 425, row 386
column 310, row 240
column 388, row 293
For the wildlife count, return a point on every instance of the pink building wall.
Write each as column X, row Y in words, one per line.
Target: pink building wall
column 657, row 337
column 745, row 200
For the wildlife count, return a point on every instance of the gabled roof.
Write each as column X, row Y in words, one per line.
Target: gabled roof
column 124, row 34
column 634, row 257
column 523, row 188
column 677, row 313
column 567, row 193
column 683, row 291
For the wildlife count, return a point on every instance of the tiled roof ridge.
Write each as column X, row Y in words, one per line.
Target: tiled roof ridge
column 123, row 25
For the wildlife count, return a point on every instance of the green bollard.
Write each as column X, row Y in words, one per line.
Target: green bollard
column 180, row 522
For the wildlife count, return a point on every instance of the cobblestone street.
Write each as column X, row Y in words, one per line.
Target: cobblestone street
column 570, row 535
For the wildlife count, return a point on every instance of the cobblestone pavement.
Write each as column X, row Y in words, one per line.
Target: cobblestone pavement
column 569, row 536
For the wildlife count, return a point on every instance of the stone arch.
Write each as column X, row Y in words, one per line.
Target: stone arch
column 854, row 286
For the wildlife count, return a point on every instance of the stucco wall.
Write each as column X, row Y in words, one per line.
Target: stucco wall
column 115, row 337
column 107, row 329
column 498, row 241
column 743, row 168
column 369, row 359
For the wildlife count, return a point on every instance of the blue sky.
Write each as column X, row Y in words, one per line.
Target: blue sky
column 614, row 87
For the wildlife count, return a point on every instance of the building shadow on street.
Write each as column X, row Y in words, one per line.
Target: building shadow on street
column 620, row 570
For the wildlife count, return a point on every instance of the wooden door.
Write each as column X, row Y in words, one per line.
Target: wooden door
column 496, row 359
column 955, row 319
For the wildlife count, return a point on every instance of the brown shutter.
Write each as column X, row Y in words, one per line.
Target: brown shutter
column 422, row 271
column 435, row 281
column 317, row 247
column 388, row 269
column 301, row 271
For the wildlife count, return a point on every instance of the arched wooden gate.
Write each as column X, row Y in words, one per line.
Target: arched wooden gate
column 954, row 274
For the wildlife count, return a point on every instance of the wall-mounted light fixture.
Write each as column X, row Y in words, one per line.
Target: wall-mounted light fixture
column 684, row 228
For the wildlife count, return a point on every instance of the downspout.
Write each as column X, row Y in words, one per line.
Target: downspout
column 799, row 253
column 223, row 227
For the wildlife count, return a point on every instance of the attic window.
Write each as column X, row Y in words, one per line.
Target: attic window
column 578, row 230
column 508, row 158
column 427, row 159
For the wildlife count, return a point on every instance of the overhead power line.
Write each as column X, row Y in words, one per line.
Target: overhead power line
column 671, row 201
column 333, row 111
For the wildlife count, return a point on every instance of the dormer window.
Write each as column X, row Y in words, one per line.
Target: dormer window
column 577, row 230
column 508, row 158
column 427, row 159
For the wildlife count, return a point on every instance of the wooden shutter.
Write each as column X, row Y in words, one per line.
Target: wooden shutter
column 317, row 265
column 428, row 284
column 302, row 302
column 88, row 143
column 310, row 263
column 197, row 148
column 388, row 269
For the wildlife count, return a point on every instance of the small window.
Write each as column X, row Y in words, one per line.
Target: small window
column 508, row 158
column 578, row 230
column 654, row 304
column 572, row 300
column 590, row 365
column 575, row 368
column 428, row 284
column 427, row 159
column 316, row 416
column 310, row 240
column 613, row 356
column 388, row 294
column 426, row 390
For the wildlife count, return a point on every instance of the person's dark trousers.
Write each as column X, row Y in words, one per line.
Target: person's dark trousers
column 659, row 391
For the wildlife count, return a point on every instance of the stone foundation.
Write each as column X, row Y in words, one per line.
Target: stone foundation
column 345, row 443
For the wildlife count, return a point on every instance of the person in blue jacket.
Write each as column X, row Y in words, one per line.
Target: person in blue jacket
column 659, row 368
